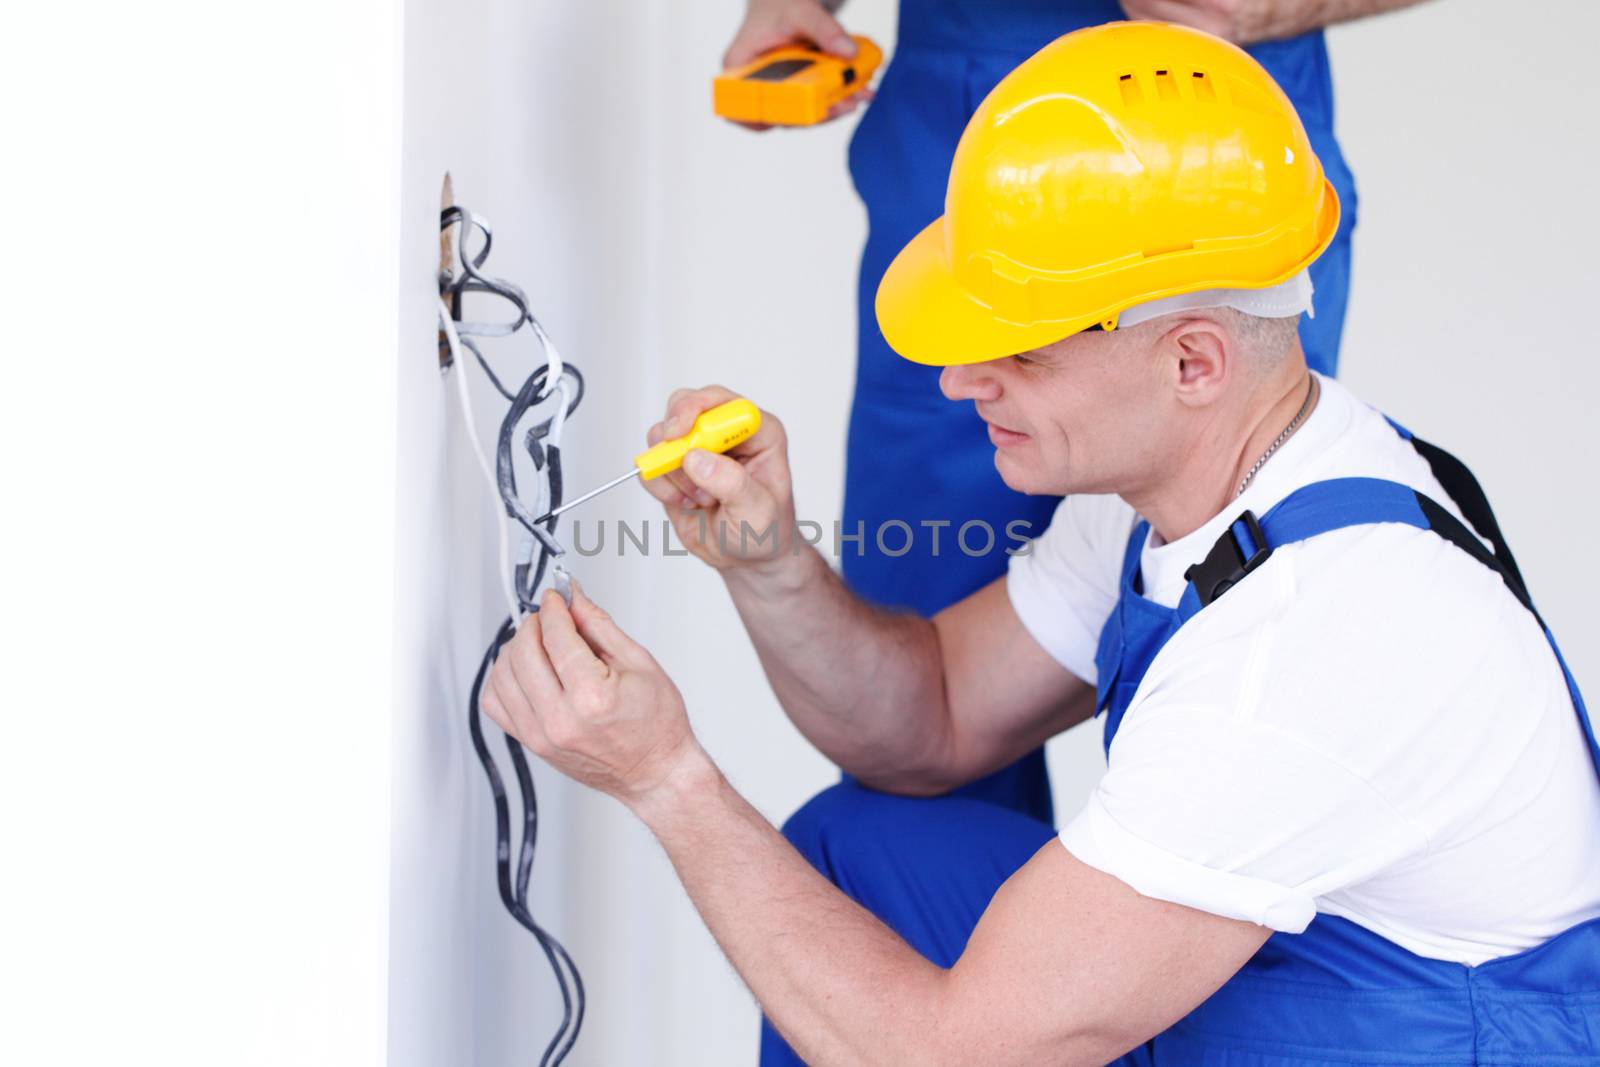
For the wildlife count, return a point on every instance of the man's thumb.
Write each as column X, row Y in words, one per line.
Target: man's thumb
column 724, row 478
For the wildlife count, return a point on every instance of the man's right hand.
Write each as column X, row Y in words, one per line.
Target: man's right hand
column 904, row 704
column 770, row 24
column 734, row 510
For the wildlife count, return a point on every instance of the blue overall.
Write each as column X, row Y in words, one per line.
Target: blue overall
column 1335, row 994
column 915, row 458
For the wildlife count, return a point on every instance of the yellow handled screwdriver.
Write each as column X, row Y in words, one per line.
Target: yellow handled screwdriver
column 716, row 430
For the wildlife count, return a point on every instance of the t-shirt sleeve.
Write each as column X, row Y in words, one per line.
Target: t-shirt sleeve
column 1064, row 586
column 1233, row 820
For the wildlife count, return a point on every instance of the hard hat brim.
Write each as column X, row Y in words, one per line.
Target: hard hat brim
column 927, row 318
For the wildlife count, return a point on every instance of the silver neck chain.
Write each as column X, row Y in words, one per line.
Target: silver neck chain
column 1288, row 432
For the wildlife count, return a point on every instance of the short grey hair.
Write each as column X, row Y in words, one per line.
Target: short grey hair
column 1267, row 340
column 1263, row 341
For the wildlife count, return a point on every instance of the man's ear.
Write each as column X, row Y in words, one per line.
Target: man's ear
column 1198, row 354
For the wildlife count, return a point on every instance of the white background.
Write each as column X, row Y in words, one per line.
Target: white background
column 247, row 565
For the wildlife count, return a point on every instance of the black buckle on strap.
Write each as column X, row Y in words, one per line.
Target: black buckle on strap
column 1241, row 549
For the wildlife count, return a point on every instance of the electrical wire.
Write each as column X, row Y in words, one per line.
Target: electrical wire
column 515, row 897
column 447, row 323
column 542, row 443
column 472, row 281
column 494, row 378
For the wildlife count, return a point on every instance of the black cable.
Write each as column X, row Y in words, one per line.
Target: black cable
column 499, row 387
column 452, row 215
column 546, row 459
column 506, row 474
column 528, row 397
column 515, row 904
column 543, row 532
column 530, row 824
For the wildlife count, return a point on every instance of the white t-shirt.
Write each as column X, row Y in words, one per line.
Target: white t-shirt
column 1370, row 725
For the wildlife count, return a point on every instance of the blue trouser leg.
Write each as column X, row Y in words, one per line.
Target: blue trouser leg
column 927, row 867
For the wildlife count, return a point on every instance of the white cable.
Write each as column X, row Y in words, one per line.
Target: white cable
column 560, row 580
column 558, row 422
column 552, row 358
column 507, row 587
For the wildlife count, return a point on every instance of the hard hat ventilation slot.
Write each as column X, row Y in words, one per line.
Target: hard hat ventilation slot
column 1203, row 89
column 1166, row 85
column 1130, row 90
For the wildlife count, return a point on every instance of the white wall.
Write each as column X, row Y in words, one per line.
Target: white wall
column 196, row 433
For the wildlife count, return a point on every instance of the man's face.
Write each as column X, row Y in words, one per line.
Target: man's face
column 1084, row 415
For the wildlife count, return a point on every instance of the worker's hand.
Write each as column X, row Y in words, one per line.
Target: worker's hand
column 589, row 700
column 731, row 510
column 770, row 24
column 1240, row 21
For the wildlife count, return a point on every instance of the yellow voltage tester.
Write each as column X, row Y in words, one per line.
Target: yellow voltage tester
column 794, row 85
column 716, row 430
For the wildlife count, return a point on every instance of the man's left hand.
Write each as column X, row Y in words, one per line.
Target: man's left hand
column 589, row 700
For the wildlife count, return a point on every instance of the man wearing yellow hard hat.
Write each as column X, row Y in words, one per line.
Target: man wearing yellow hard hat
column 1353, row 794
column 946, row 57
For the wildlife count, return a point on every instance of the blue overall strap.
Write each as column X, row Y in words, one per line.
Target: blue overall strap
column 1314, row 509
column 1108, row 652
column 1323, row 507
column 1305, row 514
column 1463, row 488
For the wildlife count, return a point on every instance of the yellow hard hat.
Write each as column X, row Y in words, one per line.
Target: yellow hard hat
column 1118, row 165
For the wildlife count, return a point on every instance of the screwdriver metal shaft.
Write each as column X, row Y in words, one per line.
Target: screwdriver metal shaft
column 590, row 495
column 715, row 430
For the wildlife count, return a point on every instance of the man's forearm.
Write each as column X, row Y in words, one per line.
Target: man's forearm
column 839, row 985
column 1278, row 19
column 1247, row 22
column 1306, row 15
column 864, row 685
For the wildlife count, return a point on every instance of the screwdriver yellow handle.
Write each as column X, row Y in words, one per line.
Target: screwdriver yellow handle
column 716, row 430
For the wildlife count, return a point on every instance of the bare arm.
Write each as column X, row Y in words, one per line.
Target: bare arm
column 1067, row 965
column 1249, row 21
column 903, row 703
